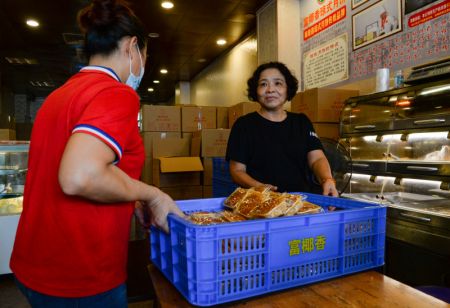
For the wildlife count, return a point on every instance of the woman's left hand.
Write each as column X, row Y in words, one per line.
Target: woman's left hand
column 329, row 188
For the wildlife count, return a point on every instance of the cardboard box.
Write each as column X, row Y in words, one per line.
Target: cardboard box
column 176, row 171
column 321, row 105
column 171, row 147
column 161, row 118
column 214, row 142
column 186, row 135
column 148, row 137
column 327, row 130
column 222, row 117
column 207, row 178
column 184, row 192
column 163, row 148
column 147, row 171
column 194, row 118
column 239, row 110
column 7, row 134
column 207, row 191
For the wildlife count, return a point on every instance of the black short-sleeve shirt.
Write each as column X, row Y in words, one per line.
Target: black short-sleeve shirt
column 275, row 152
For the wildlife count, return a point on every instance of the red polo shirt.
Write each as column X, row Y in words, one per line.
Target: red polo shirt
column 70, row 246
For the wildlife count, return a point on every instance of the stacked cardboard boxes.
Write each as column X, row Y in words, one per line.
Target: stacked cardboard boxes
column 195, row 118
column 239, row 110
column 213, row 143
column 160, row 118
column 175, row 137
column 323, row 107
column 149, row 139
column 158, row 122
column 168, row 164
column 222, row 117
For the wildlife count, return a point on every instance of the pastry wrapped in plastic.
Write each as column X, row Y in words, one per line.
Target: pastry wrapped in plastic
column 251, row 201
column 262, row 189
column 273, row 206
column 294, row 203
column 230, row 216
column 309, row 208
column 236, row 196
column 206, row 218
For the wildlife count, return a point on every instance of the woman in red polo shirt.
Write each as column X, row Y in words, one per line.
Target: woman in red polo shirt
column 85, row 160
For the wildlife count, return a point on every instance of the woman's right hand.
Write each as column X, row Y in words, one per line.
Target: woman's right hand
column 159, row 208
column 271, row 187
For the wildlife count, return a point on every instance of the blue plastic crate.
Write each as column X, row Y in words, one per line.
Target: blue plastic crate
column 221, row 170
column 226, row 262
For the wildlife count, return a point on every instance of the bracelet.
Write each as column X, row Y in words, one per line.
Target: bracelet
column 327, row 180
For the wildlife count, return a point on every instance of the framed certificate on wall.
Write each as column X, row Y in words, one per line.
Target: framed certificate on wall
column 356, row 3
column 376, row 22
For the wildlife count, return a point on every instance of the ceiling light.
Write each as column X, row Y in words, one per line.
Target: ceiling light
column 153, row 35
column 32, row 23
column 21, row 61
column 155, row 81
column 150, row 89
column 42, row 84
column 163, row 71
column 221, row 42
column 167, row 4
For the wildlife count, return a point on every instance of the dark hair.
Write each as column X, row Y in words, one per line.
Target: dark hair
column 291, row 81
column 105, row 23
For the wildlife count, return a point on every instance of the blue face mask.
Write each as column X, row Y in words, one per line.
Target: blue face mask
column 133, row 80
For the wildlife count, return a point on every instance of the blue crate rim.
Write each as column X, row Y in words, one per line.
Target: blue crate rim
column 360, row 206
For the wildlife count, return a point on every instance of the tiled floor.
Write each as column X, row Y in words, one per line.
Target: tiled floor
column 10, row 296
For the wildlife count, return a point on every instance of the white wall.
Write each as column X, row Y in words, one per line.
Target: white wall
column 224, row 82
column 288, row 27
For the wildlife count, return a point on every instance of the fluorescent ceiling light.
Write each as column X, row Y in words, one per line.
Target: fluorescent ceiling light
column 150, row 89
column 221, row 42
column 25, row 61
column 163, row 71
column 155, row 81
column 167, row 4
column 32, row 23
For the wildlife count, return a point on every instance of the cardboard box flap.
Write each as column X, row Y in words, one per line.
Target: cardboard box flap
column 180, row 164
column 171, row 147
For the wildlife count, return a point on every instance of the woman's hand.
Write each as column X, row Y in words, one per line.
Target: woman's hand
column 329, row 188
column 271, row 187
column 157, row 209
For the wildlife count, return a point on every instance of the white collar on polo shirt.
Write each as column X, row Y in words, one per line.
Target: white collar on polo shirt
column 103, row 69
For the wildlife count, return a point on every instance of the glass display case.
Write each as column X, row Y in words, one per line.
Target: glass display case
column 13, row 169
column 402, row 160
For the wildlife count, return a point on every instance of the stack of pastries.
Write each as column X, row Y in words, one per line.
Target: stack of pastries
column 253, row 203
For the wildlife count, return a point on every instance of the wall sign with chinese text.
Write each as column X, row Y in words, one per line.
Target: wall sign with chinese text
column 326, row 64
column 328, row 14
column 429, row 14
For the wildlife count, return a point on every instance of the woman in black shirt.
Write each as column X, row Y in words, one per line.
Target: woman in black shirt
column 273, row 147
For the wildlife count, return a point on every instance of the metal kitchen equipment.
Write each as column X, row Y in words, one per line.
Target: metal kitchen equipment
column 399, row 142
